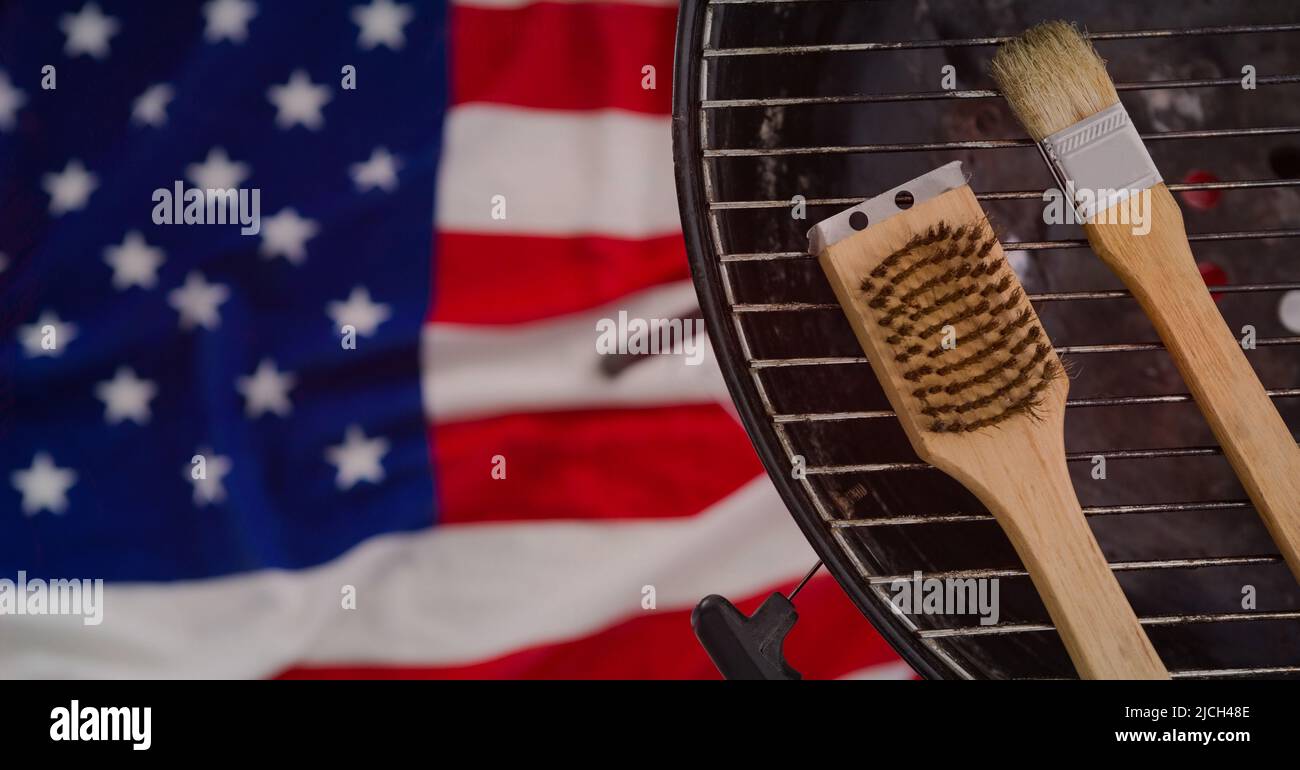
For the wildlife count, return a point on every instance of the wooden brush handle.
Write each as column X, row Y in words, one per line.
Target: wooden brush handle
column 1029, row 492
column 1161, row 272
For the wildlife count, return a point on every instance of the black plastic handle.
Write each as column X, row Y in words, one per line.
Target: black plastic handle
column 746, row 647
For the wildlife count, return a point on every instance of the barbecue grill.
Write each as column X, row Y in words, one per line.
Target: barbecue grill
column 783, row 105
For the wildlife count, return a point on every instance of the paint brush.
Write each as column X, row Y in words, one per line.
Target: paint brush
column 1059, row 89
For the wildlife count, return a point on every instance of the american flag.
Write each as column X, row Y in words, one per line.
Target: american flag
column 374, row 438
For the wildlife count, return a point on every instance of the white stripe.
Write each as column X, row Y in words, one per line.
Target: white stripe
column 602, row 172
column 893, row 670
column 451, row 595
column 502, row 4
column 475, row 371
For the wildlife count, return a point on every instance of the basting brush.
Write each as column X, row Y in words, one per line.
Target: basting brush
column 980, row 392
column 1059, row 89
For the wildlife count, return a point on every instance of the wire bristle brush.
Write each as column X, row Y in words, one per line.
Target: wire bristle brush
column 980, row 392
column 1058, row 87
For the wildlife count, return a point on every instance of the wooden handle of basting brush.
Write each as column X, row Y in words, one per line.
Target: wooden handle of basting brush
column 1030, row 494
column 1159, row 269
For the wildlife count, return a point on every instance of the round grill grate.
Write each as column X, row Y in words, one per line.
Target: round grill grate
column 837, row 100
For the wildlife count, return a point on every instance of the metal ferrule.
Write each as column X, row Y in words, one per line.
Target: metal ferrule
column 1099, row 161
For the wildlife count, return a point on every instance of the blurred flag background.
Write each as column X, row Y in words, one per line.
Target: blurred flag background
column 350, row 377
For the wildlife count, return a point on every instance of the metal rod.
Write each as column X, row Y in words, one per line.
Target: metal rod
column 1000, row 629
column 1173, row 398
column 971, row 93
column 807, row 307
column 1074, row 243
column 1214, row 673
column 976, row 144
column 1090, row 510
column 805, row 580
column 1230, row 29
column 1036, row 195
column 1073, row 350
column 1116, row 566
column 1109, row 454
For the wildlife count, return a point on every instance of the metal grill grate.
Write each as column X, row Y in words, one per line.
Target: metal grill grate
column 783, row 97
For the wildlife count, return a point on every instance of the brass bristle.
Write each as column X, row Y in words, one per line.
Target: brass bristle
column 1052, row 77
column 1001, row 361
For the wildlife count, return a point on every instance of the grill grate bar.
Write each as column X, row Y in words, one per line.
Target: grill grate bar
column 1210, row 673
column 1073, row 350
column 1235, row 235
column 1109, row 454
column 1243, row 288
column 1116, row 566
column 1131, row 347
column 975, row 144
column 1052, row 296
column 1074, row 243
column 972, row 93
column 1172, row 398
column 1090, row 510
column 900, row 45
column 1155, row 620
column 1243, row 184
column 806, row 307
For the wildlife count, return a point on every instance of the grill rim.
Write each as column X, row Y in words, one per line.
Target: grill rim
column 706, row 276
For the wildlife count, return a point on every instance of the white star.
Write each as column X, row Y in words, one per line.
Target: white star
column 380, row 171
column 357, row 458
column 228, row 20
column 381, row 23
column 197, row 302
column 70, row 188
column 44, row 486
column 266, row 390
column 359, row 312
column 126, row 397
column 150, row 107
column 134, row 263
column 11, row 99
column 217, row 172
column 299, row 101
column 34, row 338
column 286, row 235
column 88, row 31
column 208, row 488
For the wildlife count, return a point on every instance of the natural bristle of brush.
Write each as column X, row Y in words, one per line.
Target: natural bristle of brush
column 967, row 345
column 1052, row 77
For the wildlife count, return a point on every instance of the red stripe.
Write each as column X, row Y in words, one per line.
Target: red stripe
column 600, row 464
column 563, row 56
column 830, row 640
column 502, row 279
